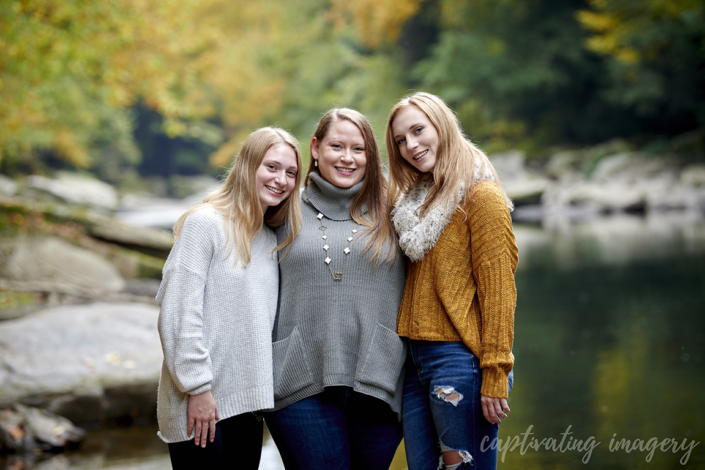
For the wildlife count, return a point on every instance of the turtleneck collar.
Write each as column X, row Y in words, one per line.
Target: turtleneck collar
column 332, row 201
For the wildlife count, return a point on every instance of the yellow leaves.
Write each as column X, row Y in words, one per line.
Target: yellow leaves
column 617, row 24
column 599, row 22
column 375, row 20
column 67, row 145
column 611, row 26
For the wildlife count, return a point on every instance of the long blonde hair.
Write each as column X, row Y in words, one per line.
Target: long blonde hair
column 381, row 235
column 238, row 201
column 457, row 158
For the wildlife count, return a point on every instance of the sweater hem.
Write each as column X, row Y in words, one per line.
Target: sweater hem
column 393, row 401
column 244, row 401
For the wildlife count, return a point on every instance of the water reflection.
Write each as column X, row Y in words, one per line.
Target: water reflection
column 610, row 345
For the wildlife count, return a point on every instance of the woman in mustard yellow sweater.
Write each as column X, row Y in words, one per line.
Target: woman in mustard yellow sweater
column 453, row 222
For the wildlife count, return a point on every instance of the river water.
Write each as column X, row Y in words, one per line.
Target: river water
column 609, row 346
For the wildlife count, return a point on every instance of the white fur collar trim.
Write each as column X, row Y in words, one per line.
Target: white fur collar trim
column 417, row 237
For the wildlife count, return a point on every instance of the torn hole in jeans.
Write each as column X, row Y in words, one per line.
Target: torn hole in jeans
column 448, row 394
column 464, row 454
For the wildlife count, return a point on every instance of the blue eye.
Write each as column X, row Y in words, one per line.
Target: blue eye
column 401, row 141
column 292, row 174
column 418, row 129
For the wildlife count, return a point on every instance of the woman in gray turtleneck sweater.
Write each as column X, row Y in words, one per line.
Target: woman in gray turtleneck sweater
column 337, row 358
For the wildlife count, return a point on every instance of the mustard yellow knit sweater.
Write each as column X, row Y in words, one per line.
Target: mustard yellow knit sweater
column 463, row 289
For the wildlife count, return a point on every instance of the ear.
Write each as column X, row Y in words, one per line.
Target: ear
column 314, row 148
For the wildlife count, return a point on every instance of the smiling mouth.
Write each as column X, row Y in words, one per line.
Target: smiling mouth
column 274, row 190
column 419, row 156
column 345, row 171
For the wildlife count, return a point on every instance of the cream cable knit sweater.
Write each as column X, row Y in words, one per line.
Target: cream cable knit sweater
column 215, row 324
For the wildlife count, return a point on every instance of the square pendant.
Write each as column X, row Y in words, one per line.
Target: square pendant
column 350, row 239
column 320, row 216
column 322, row 228
column 327, row 260
column 346, row 250
column 325, row 247
column 354, row 231
column 338, row 277
column 325, row 237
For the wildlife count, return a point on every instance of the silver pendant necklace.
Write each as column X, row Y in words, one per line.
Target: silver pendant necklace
column 338, row 275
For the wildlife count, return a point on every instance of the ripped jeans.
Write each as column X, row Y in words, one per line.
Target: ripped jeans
column 442, row 409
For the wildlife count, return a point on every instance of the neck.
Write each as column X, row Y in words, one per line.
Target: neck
column 332, row 201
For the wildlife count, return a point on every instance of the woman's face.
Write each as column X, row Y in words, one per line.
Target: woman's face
column 276, row 175
column 416, row 138
column 341, row 154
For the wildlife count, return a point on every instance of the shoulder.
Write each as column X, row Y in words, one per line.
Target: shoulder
column 485, row 195
column 203, row 217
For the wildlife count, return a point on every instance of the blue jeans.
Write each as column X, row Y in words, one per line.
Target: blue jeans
column 336, row 429
column 442, row 409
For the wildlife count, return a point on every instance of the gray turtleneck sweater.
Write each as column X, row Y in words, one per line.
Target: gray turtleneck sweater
column 336, row 332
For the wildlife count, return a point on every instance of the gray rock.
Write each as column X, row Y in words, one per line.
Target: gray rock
column 693, row 175
column 24, row 428
column 634, row 168
column 567, row 163
column 7, row 186
column 509, row 165
column 524, row 187
column 153, row 240
column 89, row 363
column 76, row 189
column 53, row 265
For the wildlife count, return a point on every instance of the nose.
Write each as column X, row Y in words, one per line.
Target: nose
column 411, row 142
column 280, row 176
column 347, row 155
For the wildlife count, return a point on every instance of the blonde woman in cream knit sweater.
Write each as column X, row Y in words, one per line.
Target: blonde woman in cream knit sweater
column 457, row 313
column 218, row 301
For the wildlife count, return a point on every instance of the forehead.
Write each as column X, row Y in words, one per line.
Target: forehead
column 409, row 116
column 281, row 152
column 343, row 129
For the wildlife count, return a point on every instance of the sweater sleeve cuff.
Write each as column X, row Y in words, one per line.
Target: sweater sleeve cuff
column 495, row 383
column 201, row 389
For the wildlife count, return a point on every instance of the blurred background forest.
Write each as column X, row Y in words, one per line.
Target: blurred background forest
column 135, row 88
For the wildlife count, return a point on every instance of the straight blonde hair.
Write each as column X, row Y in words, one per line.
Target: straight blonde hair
column 373, row 194
column 457, row 158
column 238, row 201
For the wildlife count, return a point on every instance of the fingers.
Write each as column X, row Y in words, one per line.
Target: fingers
column 191, row 422
column 505, row 405
column 204, row 433
column 197, row 437
column 211, row 425
column 494, row 409
column 217, row 415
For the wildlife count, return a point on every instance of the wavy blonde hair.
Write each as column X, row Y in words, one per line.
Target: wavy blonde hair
column 381, row 235
column 239, row 203
column 457, row 158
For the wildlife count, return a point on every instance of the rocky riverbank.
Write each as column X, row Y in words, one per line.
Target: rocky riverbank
column 610, row 178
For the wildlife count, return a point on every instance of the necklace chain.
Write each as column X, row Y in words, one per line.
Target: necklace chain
column 338, row 275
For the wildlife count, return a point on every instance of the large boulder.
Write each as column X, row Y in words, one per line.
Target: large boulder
column 76, row 189
column 53, row 265
column 522, row 185
column 89, row 363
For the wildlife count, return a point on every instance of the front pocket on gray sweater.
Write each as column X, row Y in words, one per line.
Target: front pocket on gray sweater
column 291, row 372
column 384, row 360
